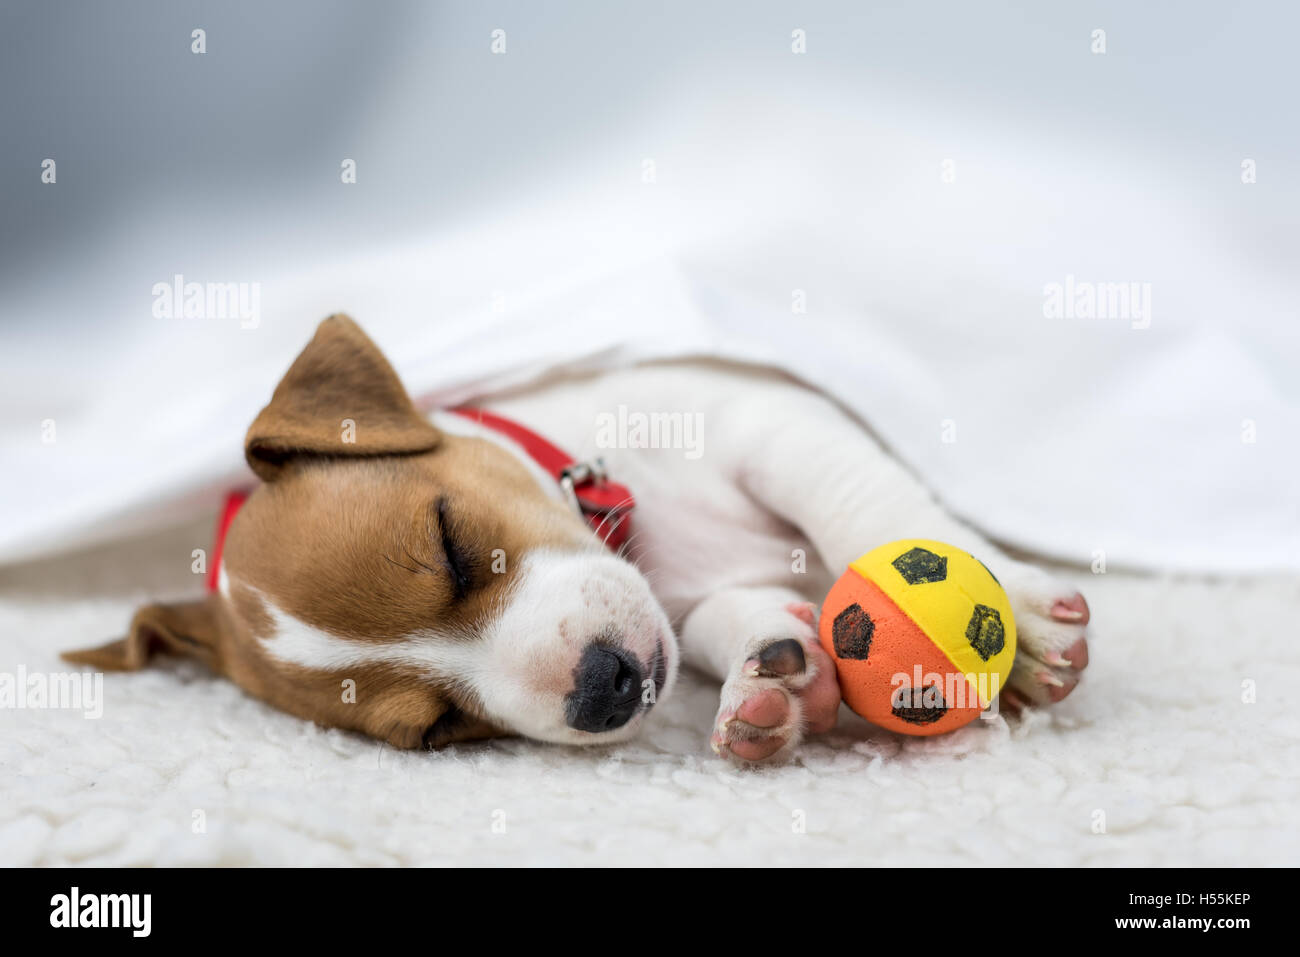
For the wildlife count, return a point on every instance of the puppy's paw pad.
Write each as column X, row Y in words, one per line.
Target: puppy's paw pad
column 778, row 659
column 769, row 708
column 785, row 687
column 756, row 722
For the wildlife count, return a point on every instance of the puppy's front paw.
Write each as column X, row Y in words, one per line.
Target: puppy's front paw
column 782, row 687
column 1051, row 641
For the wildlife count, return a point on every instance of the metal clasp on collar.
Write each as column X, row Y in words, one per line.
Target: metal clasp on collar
column 580, row 473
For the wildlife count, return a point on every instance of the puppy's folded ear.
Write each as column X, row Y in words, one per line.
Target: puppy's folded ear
column 454, row 726
column 339, row 398
column 189, row 628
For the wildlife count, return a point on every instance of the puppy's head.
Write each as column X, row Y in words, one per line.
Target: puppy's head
column 415, row 585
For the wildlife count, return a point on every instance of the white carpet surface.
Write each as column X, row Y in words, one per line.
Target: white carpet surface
column 1156, row 759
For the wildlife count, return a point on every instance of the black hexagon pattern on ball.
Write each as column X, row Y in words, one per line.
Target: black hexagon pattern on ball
column 918, row 712
column 920, row 566
column 851, row 633
column 985, row 632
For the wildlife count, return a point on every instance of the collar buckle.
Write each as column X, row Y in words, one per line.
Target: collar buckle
column 580, row 473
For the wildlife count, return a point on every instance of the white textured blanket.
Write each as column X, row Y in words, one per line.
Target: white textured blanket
column 1156, row 759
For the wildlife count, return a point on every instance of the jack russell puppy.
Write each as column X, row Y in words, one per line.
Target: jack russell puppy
column 435, row 563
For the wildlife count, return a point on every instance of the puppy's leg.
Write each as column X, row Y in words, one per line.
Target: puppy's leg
column 778, row 683
column 822, row 471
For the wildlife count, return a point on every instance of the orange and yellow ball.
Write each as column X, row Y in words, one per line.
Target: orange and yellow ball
column 922, row 636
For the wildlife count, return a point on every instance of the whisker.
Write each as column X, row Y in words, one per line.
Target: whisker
column 430, row 569
column 400, row 565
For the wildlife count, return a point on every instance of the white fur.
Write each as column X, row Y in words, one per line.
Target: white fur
column 562, row 601
column 293, row 641
column 522, row 666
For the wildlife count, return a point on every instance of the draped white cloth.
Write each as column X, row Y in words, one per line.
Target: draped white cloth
column 914, row 263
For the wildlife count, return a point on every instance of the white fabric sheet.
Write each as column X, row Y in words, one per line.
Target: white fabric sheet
column 1164, row 444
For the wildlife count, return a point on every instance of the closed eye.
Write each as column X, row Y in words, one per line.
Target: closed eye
column 456, row 556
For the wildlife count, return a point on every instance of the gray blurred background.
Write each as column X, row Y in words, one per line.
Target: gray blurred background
column 231, row 158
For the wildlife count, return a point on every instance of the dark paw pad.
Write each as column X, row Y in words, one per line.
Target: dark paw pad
column 782, row 658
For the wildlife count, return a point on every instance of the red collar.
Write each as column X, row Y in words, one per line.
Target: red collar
column 604, row 504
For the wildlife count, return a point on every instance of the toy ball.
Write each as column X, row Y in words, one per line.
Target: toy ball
column 922, row 636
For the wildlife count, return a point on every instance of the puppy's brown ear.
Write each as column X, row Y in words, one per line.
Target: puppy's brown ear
column 454, row 726
column 340, row 397
column 189, row 628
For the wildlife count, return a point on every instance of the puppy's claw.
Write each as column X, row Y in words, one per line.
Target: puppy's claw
column 1076, row 656
column 1073, row 609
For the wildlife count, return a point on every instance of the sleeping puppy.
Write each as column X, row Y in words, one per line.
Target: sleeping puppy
column 424, row 581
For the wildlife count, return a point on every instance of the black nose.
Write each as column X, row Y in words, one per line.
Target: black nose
column 606, row 690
